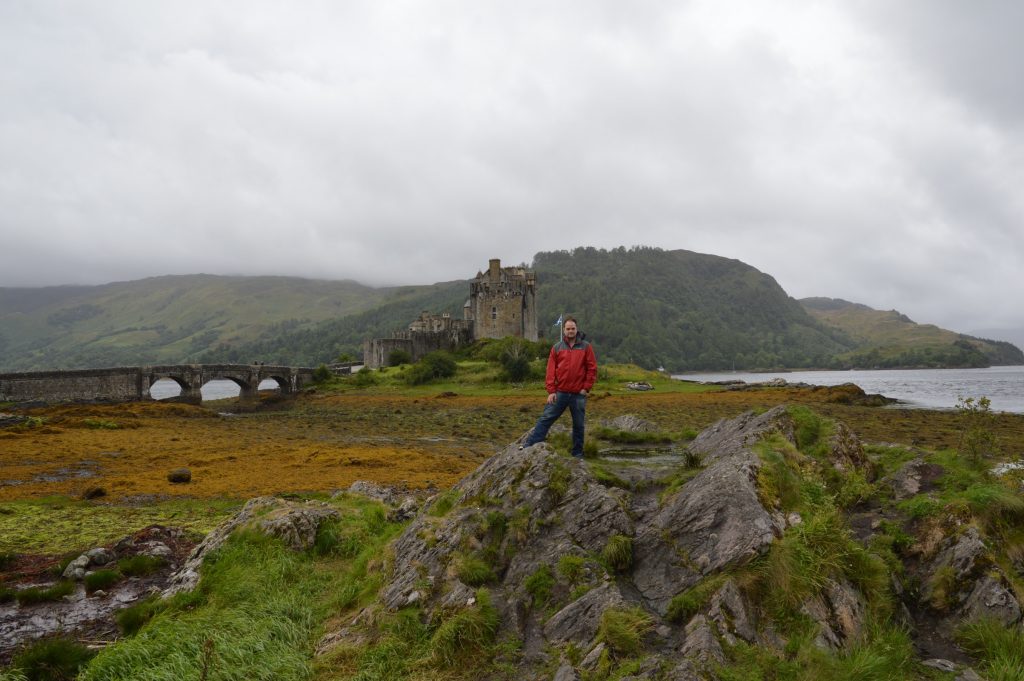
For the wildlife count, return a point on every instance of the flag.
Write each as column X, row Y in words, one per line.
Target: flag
column 559, row 322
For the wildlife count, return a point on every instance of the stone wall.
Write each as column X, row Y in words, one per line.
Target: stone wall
column 417, row 343
column 503, row 302
column 85, row 385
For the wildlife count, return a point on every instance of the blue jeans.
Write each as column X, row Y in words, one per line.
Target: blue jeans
column 577, row 405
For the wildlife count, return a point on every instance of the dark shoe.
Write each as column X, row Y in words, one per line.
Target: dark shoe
column 577, row 456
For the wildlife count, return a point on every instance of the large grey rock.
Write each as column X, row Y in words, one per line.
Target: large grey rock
column 566, row 673
column 716, row 519
column 296, row 524
column 728, row 610
column 701, row 645
column 991, row 599
column 580, row 620
column 911, row 478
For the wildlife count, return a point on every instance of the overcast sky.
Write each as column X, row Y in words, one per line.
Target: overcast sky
column 869, row 150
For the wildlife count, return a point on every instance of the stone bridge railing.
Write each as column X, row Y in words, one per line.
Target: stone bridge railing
column 121, row 384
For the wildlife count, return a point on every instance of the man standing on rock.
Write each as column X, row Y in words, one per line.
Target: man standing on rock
column 572, row 370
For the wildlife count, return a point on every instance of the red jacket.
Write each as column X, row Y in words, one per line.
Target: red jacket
column 571, row 370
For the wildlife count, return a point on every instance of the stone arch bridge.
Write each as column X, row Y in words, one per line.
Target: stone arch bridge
column 123, row 384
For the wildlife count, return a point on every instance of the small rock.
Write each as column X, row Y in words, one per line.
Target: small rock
column 180, row 475
column 100, row 556
column 940, row 664
column 407, row 511
column 99, row 593
column 76, row 568
column 593, row 657
column 566, row 673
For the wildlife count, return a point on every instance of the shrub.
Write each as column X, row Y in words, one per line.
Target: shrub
column 618, row 553
column 399, row 357
column 539, row 585
column 468, row 631
column 474, row 572
column 365, row 377
column 435, row 365
column 322, row 374
column 33, row 595
column 52, row 659
column 101, row 580
column 623, row 629
column 140, row 566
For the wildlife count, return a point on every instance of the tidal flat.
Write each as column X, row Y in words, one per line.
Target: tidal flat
column 318, row 443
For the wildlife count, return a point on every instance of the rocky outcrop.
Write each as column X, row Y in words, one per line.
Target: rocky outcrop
column 525, row 511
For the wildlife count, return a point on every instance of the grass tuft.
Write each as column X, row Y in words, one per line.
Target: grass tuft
column 618, row 553
column 140, row 565
column 466, row 632
column 623, row 629
column 100, row 580
column 1001, row 648
column 539, row 585
column 51, row 659
column 34, row 594
column 473, row 571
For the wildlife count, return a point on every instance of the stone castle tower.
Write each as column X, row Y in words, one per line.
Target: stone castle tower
column 503, row 302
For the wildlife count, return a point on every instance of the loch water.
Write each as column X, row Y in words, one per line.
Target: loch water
column 914, row 388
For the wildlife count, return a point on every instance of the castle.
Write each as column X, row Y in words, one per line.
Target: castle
column 502, row 302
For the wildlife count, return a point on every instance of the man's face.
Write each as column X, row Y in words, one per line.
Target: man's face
column 569, row 330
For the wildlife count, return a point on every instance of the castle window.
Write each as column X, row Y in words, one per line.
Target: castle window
column 494, row 313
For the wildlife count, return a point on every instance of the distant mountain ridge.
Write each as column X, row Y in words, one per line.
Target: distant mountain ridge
column 674, row 309
column 891, row 339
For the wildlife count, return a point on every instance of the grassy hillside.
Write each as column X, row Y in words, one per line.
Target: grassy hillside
column 162, row 319
column 646, row 306
column 681, row 310
column 323, row 342
column 891, row 339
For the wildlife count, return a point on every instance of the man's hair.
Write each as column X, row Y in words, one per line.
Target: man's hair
column 570, row 319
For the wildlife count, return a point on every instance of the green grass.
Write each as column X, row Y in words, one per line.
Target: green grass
column 1000, row 648
column 618, row 553
column 570, row 566
column 50, row 659
column 623, row 629
column 140, row 566
column 604, row 476
column 101, row 580
column 685, row 605
column 34, row 594
column 466, row 633
column 539, row 585
column 443, row 504
column 53, row 525
column 474, row 571
column 133, row 618
column 257, row 611
column 629, row 437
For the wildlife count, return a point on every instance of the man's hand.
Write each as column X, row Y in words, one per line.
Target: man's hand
column 584, row 393
column 551, row 398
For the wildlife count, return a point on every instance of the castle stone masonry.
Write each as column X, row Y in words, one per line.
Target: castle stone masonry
column 502, row 302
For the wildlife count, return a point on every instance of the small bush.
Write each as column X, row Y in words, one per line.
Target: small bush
column 52, row 659
column 539, row 585
column 623, row 629
column 322, row 374
column 920, row 506
column 132, row 619
column 33, row 594
column 101, row 580
column 365, row 377
column 398, row 358
column 571, row 567
column 433, row 366
column 140, row 566
column 466, row 632
column 6, row 594
column 618, row 553
column 473, row 571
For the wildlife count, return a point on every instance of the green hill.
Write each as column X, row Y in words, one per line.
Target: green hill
column 891, row 339
column 676, row 309
column 162, row 319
